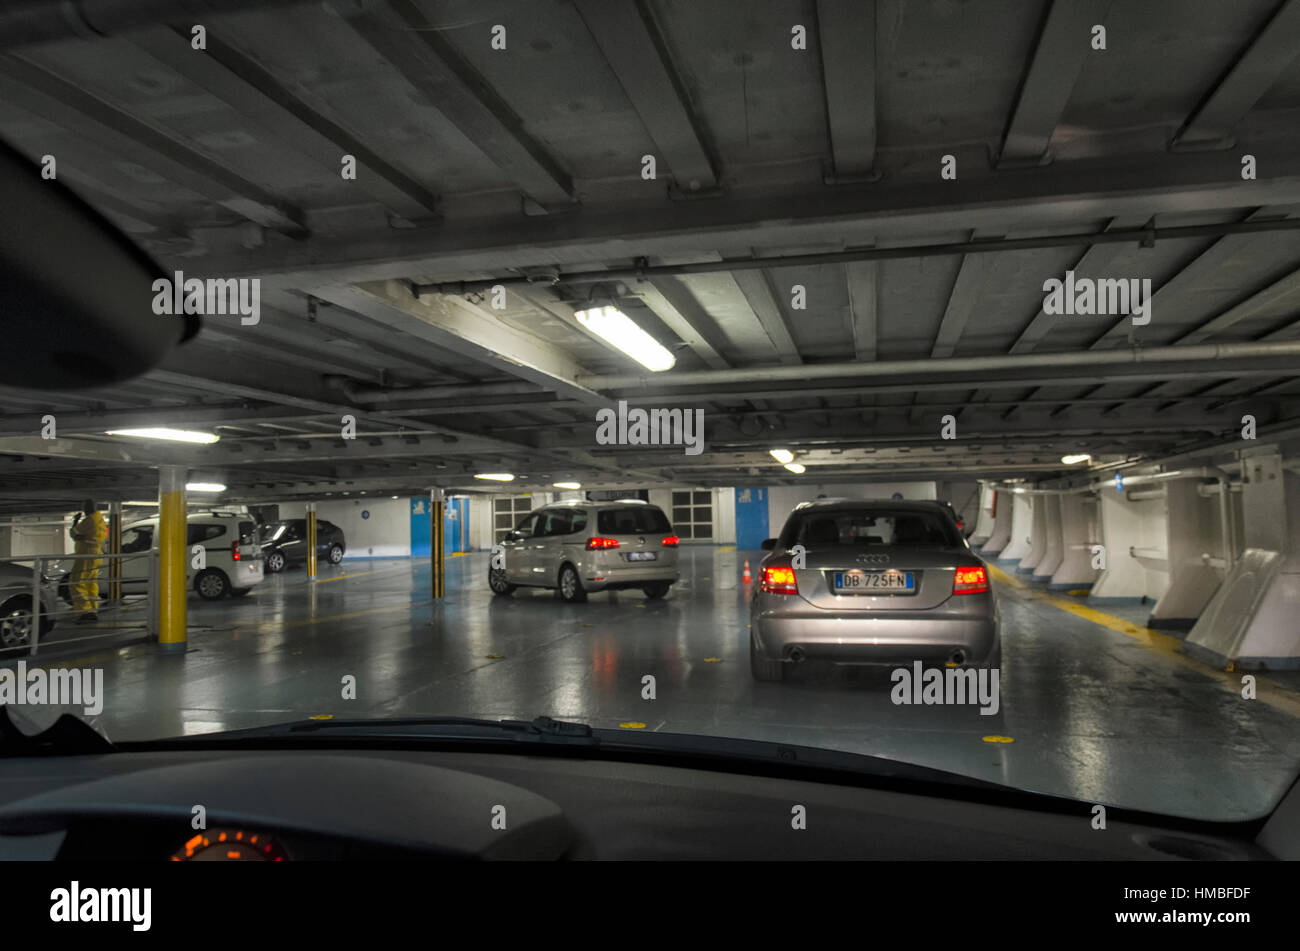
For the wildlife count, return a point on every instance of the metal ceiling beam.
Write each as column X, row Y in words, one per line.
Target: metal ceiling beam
column 1034, row 199
column 1260, row 65
column 677, row 307
column 463, row 329
column 765, row 302
column 41, row 92
column 35, row 22
column 245, row 85
column 1095, row 262
column 1255, row 304
column 862, row 279
column 416, row 48
column 626, row 33
column 965, row 294
column 846, row 31
column 1062, row 45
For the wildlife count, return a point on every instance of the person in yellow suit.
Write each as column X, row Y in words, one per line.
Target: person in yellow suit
column 89, row 531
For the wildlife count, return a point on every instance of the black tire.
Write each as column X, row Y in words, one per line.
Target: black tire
column 240, row 592
column 16, row 627
column 569, row 585
column 657, row 590
column 764, row 668
column 335, row 554
column 274, row 562
column 211, row 584
column 498, row 583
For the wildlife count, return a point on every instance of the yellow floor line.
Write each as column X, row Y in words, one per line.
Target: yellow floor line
column 1268, row 691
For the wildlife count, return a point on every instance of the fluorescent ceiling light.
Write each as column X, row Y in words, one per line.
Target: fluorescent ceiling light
column 204, row 487
column 621, row 332
column 567, row 485
column 1076, row 459
column 782, row 455
column 495, row 476
column 795, row 467
column 173, row 435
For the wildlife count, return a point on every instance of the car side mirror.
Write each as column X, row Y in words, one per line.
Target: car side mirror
column 91, row 327
column 769, row 544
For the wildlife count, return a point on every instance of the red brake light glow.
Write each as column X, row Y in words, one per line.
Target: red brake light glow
column 970, row 581
column 596, row 544
column 669, row 541
column 779, row 580
column 234, row 551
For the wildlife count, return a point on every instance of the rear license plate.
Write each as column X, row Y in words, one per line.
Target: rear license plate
column 641, row 556
column 864, row 582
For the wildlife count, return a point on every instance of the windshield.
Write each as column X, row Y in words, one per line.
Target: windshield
column 523, row 359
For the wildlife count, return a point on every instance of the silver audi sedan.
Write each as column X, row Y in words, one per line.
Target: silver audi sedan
column 871, row 582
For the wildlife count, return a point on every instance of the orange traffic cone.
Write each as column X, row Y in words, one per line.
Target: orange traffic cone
column 746, row 578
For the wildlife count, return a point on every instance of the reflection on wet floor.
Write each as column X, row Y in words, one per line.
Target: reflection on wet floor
column 1088, row 711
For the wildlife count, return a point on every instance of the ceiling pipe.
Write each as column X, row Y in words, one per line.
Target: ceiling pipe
column 902, row 368
column 40, row 21
column 644, row 271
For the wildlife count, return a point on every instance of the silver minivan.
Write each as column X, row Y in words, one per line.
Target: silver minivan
column 581, row 547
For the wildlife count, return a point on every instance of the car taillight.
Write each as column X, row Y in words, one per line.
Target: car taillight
column 670, row 541
column 595, row 544
column 970, row 581
column 779, row 580
column 234, row 550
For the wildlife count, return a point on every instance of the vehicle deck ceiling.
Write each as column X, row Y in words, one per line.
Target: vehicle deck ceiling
column 477, row 164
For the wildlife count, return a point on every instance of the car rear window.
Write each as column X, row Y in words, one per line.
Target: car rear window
column 632, row 521
column 875, row 528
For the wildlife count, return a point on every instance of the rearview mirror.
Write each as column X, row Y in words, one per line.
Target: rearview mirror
column 75, row 294
column 769, row 544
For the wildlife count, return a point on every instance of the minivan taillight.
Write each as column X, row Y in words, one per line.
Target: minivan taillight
column 234, row 550
column 669, row 541
column 779, row 580
column 970, row 581
column 596, row 544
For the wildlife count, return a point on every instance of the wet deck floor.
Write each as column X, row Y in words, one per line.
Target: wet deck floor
column 1103, row 713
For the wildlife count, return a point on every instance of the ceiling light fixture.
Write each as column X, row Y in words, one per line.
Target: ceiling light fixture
column 1076, row 459
column 621, row 332
column 782, row 456
column 495, row 476
column 796, row 467
column 567, row 485
column 172, row 435
column 204, row 487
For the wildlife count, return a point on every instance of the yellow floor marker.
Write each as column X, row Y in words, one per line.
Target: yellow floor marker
column 632, row 726
column 998, row 739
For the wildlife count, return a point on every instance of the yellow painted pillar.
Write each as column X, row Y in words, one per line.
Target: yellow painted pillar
column 437, row 555
column 173, row 558
column 311, row 541
column 114, row 550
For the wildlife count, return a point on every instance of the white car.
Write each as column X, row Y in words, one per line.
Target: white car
column 233, row 556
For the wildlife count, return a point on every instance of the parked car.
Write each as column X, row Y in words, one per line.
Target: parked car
column 16, row 607
column 881, row 583
column 581, row 547
column 284, row 543
column 232, row 555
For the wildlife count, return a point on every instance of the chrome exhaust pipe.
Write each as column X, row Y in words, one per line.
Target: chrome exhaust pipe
column 957, row 658
column 797, row 655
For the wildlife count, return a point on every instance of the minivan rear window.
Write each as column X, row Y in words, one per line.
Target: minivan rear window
column 632, row 521
column 875, row 528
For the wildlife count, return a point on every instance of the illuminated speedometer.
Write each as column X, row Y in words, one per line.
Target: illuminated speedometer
column 231, row 845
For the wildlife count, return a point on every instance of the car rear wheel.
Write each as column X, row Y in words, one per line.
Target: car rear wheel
column 275, row 562
column 211, row 584
column 570, row 585
column 498, row 583
column 764, row 668
column 336, row 554
column 657, row 590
